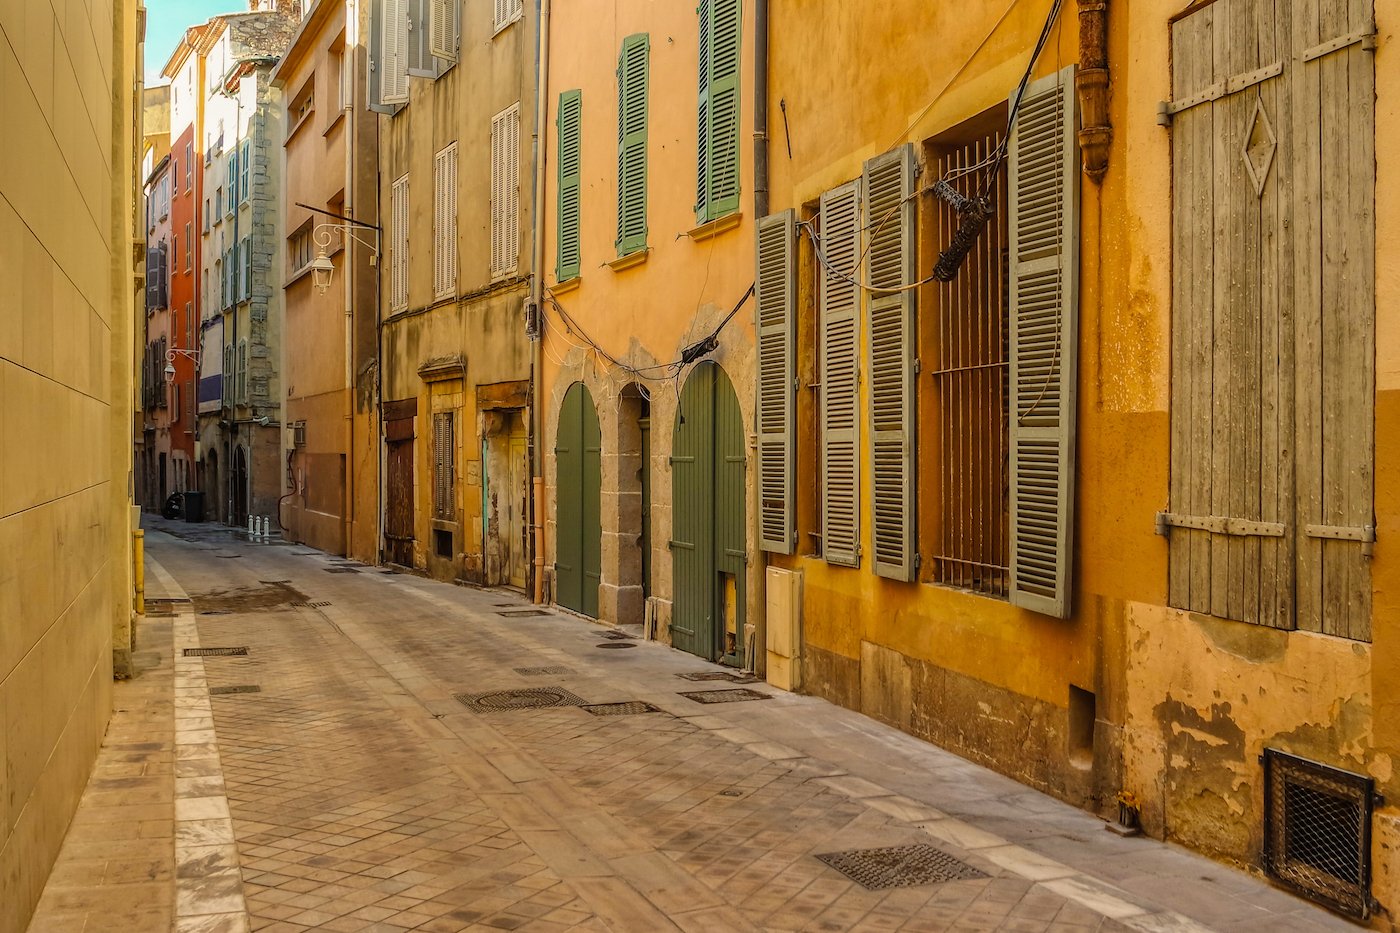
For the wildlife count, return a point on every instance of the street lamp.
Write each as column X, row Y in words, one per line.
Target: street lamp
column 170, row 355
column 322, row 269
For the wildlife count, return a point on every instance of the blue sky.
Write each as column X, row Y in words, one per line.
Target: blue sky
column 167, row 20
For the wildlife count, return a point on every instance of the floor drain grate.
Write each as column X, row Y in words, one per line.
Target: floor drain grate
column 900, row 866
column 725, row 676
column 320, row 604
column 341, row 570
column 625, row 708
column 527, row 698
column 537, row 671
column 240, row 688
column 522, row 613
column 738, row 695
column 615, row 644
column 215, row 652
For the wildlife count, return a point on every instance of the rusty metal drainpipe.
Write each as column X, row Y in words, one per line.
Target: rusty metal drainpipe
column 1091, row 82
column 537, row 296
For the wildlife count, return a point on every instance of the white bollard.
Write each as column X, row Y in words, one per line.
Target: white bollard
column 251, row 526
column 266, row 527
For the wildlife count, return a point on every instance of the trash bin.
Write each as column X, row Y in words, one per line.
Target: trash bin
column 194, row 506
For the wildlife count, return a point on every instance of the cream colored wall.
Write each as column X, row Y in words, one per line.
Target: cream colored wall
column 66, row 227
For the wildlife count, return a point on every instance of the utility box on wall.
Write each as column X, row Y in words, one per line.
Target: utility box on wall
column 785, row 628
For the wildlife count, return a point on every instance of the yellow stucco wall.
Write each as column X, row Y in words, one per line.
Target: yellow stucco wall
column 67, row 223
column 1184, row 703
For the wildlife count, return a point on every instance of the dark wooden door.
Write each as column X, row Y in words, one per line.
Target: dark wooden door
column 398, row 518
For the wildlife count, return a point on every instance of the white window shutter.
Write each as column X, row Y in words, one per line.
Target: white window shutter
column 398, row 245
column 839, row 309
column 443, row 29
column 420, row 56
column 1044, row 226
column 393, row 76
column 505, row 192
column 445, row 222
column 775, row 293
column 889, row 223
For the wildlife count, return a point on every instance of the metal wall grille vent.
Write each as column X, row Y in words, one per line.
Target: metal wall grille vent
column 215, row 652
column 538, row 671
column 725, row 676
column 900, row 866
column 1317, row 831
column 625, row 708
column 497, row 701
column 238, row 688
column 739, row 695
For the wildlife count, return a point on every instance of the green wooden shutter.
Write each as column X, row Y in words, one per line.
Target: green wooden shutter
column 717, row 187
column 570, row 129
column 889, row 220
column 839, row 308
column 632, row 66
column 1044, row 224
column 776, row 297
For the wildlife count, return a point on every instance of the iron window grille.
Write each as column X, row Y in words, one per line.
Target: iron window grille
column 1317, row 831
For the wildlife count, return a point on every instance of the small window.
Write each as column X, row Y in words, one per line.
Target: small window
column 444, row 463
column 189, row 246
column 245, row 177
column 303, row 104
column 300, row 249
column 507, row 12
column 189, row 167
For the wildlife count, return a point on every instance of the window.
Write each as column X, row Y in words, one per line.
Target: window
column 174, row 254
column 444, row 463
column 189, row 247
column 717, row 158
column 246, row 292
column 506, row 12
column 228, row 376
column 218, row 205
column 245, row 165
column 445, row 223
column 1273, row 414
column 632, row 145
column 505, row 192
column 207, row 215
column 775, row 294
column 243, row 372
column 570, row 139
column 189, row 167
column 302, row 105
column 398, row 245
column 189, row 326
column 300, row 249
column 445, row 29
column 337, row 93
column 232, row 165
column 389, row 69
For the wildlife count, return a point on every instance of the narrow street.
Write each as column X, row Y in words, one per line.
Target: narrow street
column 333, row 778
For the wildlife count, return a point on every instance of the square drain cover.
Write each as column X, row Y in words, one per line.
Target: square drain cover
column 240, row 688
column 527, row 698
column 522, row 613
column 537, row 671
column 341, row 570
column 900, row 866
column 215, row 652
column 625, row 708
column 738, row 695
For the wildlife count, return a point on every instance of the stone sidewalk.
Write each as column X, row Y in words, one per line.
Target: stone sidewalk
column 335, row 777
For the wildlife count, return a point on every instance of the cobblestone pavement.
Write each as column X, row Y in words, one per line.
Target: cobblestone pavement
column 334, row 777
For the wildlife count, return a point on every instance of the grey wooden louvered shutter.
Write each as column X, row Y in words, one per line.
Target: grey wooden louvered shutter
column 1044, row 226
column 570, row 128
column 839, row 308
column 632, row 67
column 889, row 222
column 443, row 29
column 775, row 293
column 420, row 55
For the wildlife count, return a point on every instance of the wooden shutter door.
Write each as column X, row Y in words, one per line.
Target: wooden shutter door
column 632, row 145
column 839, row 327
column 1044, row 227
column 776, row 296
column 570, row 126
column 889, row 218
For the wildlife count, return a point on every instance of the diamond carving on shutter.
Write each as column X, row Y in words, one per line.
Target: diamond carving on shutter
column 1044, row 228
column 889, row 218
column 839, row 308
column 632, row 78
column 443, row 29
column 393, row 78
column 776, row 296
column 717, row 163
column 570, row 126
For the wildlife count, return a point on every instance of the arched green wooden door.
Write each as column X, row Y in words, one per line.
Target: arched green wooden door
column 578, row 564
column 708, row 535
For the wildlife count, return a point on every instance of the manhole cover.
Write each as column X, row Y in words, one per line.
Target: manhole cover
column 525, row 698
column 731, row 793
column 702, row 676
column 625, row 708
column 522, row 613
column 240, row 688
column 615, row 644
column 900, row 866
column 537, row 671
column 215, row 652
column 739, row 695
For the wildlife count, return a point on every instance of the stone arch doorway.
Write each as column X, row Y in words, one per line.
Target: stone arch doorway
column 578, row 557
column 708, row 544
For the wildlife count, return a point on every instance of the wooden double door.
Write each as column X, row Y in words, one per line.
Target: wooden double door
column 578, row 448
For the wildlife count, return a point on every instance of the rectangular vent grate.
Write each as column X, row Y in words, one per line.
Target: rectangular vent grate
column 320, row 604
column 498, row 701
column 900, row 866
column 1317, row 831
column 625, row 708
column 238, row 688
column 725, row 676
column 738, row 695
column 538, row 671
column 215, row 652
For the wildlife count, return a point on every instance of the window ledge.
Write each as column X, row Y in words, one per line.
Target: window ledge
column 297, row 276
column 630, row 260
column 713, row 228
column 338, row 119
column 306, row 118
column 568, row 285
column 515, row 18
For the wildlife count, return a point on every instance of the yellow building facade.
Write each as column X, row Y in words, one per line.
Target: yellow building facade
column 1126, row 529
column 70, row 258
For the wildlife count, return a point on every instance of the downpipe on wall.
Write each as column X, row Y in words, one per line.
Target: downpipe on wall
column 759, row 640
column 537, row 295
